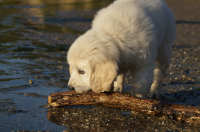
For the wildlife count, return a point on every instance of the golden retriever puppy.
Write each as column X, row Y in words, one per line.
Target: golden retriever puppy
column 134, row 36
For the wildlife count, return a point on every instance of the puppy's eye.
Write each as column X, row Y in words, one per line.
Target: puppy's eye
column 81, row 71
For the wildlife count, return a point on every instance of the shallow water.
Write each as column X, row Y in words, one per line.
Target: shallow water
column 34, row 38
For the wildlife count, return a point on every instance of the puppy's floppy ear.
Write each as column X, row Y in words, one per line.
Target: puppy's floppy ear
column 103, row 75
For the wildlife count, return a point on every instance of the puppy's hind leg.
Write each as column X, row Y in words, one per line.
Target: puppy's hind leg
column 142, row 81
column 164, row 55
column 157, row 77
column 162, row 64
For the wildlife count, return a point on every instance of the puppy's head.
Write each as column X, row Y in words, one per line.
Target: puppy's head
column 88, row 75
column 91, row 68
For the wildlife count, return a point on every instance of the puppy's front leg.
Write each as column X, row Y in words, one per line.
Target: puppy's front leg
column 118, row 83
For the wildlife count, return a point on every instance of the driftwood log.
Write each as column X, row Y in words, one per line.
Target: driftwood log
column 188, row 114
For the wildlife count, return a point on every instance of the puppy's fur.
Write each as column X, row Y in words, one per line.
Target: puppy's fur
column 133, row 36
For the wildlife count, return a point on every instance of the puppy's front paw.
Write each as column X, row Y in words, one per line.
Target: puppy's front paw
column 117, row 87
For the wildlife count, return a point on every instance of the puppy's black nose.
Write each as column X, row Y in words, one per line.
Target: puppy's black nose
column 70, row 87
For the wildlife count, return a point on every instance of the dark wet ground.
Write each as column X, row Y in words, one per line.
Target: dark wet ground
column 34, row 38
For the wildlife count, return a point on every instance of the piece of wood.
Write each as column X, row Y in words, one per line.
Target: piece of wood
column 187, row 114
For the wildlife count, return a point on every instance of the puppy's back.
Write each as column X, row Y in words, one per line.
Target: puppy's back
column 125, row 19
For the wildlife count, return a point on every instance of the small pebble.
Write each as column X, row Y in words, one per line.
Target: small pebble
column 184, row 77
column 30, row 82
column 176, row 78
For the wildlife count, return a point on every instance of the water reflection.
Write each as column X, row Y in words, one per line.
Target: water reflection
column 40, row 14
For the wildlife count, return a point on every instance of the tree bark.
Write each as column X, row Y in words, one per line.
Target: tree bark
column 189, row 114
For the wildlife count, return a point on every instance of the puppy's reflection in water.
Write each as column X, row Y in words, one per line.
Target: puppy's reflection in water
column 101, row 119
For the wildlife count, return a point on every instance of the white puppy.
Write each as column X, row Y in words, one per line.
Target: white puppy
column 133, row 36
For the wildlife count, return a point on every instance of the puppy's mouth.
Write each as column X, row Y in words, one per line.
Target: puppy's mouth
column 70, row 87
column 80, row 89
